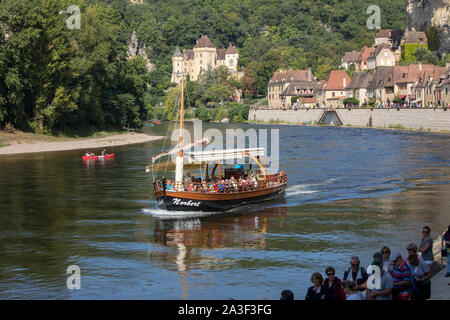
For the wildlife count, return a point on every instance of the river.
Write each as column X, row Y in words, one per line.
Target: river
column 350, row 192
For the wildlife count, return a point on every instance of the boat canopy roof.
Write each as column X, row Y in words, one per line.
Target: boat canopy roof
column 222, row 155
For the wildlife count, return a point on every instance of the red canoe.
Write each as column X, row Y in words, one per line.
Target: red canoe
column 107, row 156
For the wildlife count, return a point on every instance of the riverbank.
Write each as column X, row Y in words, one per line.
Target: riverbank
column 21, row 143
column 425, row 120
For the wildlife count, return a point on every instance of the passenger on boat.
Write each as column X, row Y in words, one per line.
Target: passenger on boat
column 104, row 152
column 191, row 188
column 169, row 186
column 222, row 186
column 89, row 154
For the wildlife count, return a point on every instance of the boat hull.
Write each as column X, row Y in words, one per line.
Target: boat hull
column 108, row 156
column 191, row 201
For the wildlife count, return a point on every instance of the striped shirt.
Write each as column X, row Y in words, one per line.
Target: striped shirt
column 399, row 274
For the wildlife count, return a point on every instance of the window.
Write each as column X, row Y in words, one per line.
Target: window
column 231, row 62
column 333, row 94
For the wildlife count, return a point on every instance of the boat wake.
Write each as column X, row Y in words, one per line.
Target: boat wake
column 307, row 188
column 169, row 215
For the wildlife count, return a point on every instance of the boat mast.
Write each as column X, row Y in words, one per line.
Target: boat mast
column 179, row 160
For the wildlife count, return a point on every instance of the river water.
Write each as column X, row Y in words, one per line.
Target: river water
column 350, row 191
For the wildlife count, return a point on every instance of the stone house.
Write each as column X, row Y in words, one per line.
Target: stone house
column 425, row 87
column 332, row 92
column 442, row 89
column 382, row 56
column 390, row 37
column 381, row 86
column 358, row 58
column 358, row 87
column 288, row 84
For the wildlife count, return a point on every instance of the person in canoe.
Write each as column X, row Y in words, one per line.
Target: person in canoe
column 104, row 152
column 89, row 154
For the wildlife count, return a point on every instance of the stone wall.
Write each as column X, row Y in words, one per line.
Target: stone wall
column 416, row 119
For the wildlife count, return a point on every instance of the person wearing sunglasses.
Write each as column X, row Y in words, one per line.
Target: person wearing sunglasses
column 387, row 265
column 334, row 285
column 317, row 291
column 356, row 273
column 426, row 246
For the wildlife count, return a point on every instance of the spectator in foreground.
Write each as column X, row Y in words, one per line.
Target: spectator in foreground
column 426, row 246
column 334, row 285
column 287, row 295
column 356, row 273
column 384, row 292
column 421, row 275
column 317, row 291
column 401, row 277
column 446, row 238
column 351, row 290
column 412, row 249
column 386, row 252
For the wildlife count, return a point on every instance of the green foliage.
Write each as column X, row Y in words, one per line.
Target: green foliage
column 238, row 112
column 425, row 56
column 408, row 51
column 53, row 78
column 352, row 102
column 434, row 41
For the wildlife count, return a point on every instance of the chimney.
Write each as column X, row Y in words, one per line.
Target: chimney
column 309, row 74
column 344, row 82
column 420, row 66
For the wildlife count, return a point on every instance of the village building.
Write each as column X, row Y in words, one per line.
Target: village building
column 425, row 86
column 202, row 57
column 358, row 87
column 358, row 58
column 289, row 88
column 381, row 86
column 390, row 37
column 414, row 37
column 442, row 91
column 382, row 56
column 332, row 92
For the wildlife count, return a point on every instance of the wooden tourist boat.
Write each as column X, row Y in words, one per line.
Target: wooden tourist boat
column 229, row 189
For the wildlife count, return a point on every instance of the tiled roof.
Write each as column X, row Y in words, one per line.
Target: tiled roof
column 177, row 53
column 415, row 37
column 221, row 54
column 351, row 56
column 383, row 77
column 335, row 80
column 378, row 49
column 292, row 88
column 231, row 50
column 204, row 42
column 360, row 80
column 365, row 53
column 188, row 54
column 391, row 34
column 291, row 75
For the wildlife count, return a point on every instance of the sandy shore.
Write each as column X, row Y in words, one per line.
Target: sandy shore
column 78, row 144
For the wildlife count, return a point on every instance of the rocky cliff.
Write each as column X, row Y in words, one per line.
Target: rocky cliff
column 421, row 14
column 135, row 48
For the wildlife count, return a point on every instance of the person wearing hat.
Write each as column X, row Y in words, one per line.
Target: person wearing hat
column 384, row 292
column 401, row 277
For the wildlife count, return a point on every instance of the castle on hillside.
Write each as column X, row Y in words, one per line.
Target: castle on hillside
column 204, row 55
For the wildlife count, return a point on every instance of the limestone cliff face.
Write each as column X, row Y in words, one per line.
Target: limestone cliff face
column 421, row 14
column 134, row 49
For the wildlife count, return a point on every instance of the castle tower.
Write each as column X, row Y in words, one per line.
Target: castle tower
column 177, row 66
column 231, row 58
column 205, row 56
